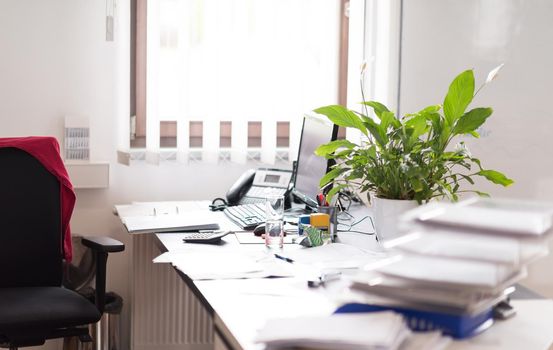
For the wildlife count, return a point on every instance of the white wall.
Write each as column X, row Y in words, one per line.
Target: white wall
column 441, row 38
column 54, row 61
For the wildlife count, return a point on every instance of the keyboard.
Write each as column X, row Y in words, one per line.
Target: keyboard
column 247, row 216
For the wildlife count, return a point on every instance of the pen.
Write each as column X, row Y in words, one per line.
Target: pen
column 284, row 258
column 325, row 277
column 321, row 200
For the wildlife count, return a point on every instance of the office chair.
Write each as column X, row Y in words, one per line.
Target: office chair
column 34, row 306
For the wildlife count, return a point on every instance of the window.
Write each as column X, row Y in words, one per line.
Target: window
column 283, row 134
column 254, row 134
column 225, row 138
column 220, row 75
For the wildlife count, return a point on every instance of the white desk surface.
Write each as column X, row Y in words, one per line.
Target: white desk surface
column 242, row 306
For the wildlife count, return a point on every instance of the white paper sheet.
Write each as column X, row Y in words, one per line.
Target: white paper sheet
column 449, row 271
column 226, row 264
column 335, row 255
column 198, row 220
column 379, row 330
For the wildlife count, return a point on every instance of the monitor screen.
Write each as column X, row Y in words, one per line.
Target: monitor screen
column 311, row 168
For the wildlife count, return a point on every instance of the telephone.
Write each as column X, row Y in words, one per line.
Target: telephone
column 255, row 184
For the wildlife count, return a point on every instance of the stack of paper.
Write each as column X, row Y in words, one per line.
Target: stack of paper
column 458, row 258
column 380, row 330
column 193, row 221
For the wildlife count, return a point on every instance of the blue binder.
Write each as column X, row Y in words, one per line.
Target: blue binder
column 457, row 326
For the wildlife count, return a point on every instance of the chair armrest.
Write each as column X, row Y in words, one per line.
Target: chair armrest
column 103, row 244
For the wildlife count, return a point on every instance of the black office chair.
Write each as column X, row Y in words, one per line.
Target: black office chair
column 34, row 306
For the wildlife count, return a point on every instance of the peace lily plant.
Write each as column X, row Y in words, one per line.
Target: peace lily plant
column 409, row 157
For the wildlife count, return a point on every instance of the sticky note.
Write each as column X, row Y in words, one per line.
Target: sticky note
column 320, row 220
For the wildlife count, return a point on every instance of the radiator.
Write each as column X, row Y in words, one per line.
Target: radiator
column 165, row 313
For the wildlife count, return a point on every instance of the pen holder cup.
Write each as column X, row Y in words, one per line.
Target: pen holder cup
column 333, row 213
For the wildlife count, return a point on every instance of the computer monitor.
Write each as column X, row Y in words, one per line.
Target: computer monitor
column 310, row 168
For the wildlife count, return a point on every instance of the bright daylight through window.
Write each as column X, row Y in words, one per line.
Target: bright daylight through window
column 232, row 79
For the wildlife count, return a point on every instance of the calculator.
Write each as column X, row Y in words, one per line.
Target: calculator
column 204, row 236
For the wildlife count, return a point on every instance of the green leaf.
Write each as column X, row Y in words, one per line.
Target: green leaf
column 416, row 184
column 468, row 178
column 371, row 152
column 331, row 175
column 387, row 119
column 483, row 194
column 333, row 191
column 377, row 107
column 471, row 120
column 496, row 177
column 477, row 161
column 342, row 116
column 418, row 124
column 444, row 137
column 430, row 109
column 376, row 131
column 331, row 147
column 459, row 96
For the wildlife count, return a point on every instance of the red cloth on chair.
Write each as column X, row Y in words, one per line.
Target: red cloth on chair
column 47, row 151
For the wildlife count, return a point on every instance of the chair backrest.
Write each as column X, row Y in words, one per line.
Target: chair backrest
column 30, row 222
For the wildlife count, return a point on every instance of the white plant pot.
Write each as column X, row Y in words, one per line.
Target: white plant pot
column 386, row 216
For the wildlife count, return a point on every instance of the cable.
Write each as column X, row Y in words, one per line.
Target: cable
column 350, row 226
column 361, row 232
column 363, row 219
column 214, row 206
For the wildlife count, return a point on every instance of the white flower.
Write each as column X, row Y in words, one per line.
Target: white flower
column 493, row 73
column 463, row 149
column 363, row 67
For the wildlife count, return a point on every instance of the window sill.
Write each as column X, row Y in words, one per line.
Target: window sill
column 196, row 155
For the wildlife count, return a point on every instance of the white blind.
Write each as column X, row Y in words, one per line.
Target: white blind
column 238, row 60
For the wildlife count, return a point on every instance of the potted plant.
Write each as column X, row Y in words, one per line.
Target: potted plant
column 409, row 159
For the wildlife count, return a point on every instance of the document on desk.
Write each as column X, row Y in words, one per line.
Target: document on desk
column 333, row 256
column 519, row 219
column 449, row 272
column 198, row 265
column 379, row 330
column 196, row 220
column 159, row 208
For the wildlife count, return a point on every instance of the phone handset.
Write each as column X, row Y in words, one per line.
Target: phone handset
column 239, row 189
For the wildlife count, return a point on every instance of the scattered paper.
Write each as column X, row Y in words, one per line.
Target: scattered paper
column 198, row 265
column 378, row 330
column 333, row 256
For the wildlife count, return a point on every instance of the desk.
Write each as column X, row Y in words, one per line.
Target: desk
column 237, row 308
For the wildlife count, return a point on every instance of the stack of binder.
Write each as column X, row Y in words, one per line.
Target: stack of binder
column 455, row 262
